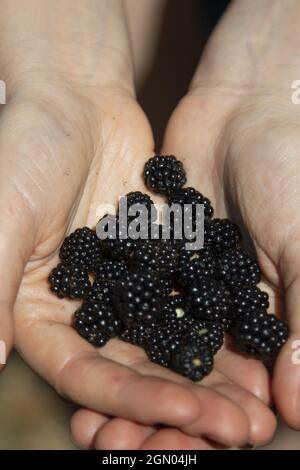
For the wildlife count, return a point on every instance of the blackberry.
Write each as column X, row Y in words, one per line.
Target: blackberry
column 91, row 332
column 192, row 360
column 110, row 270
column 117, row 245
column 157, row 257
column 138, row 298
column 137, row 335
column 207, row 333
column 259, row 334
column 209, row 300
column 69, row 280
column 82, row 247
column 193, row 264
column 164, row 174
column 100, row 314
column 221, row 234
column 247, row 299
column 193, row 197
column 101, row 291
column 136, row 197
column 237, row 267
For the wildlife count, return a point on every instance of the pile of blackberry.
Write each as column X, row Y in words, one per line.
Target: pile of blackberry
column 176, row 304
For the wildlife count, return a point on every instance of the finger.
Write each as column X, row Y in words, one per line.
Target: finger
column 84, row 426
column 174, row 439
column 286, row 383
column 121, row 434
column 79, row 373
column 262, row 420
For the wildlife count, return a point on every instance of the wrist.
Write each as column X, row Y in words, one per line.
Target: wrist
column 82, row 44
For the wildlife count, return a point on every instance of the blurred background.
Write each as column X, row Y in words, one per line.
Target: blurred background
column 170, row 40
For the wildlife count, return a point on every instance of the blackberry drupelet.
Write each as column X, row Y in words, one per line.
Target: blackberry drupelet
column 221, row 234
column 157, row 257
column 193, row 264
column 81, row 247
column 101, row 291
column 117, row 245
column 164, row 174
column 193, row 197
column 209, row 300
column 236, row 267
column 69, row 280
column 192, row 360
column 110, row 270
column 206, row 333
column 259, row 334
column 102, row 316
column 247, row 299
column 138, row 298
column 137, row 335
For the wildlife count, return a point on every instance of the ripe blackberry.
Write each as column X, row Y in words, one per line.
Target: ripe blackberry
column 136, row 197
column 137, row 335
column 206, row 333
column 158, row 353
column 82, row 247
column 101, row 291
column 221, row 234
column 248, row 299
column 192, row 360
column 110, row 270
column 259, row 334
column 164, row 174
column 193, row 264
column 236, row 267
column 138, row 298
column 100, row 314
column 193, row 197
column 115, row 246
column 157, row 257
column 209, row 300
column 69, row 280
column 91, row 332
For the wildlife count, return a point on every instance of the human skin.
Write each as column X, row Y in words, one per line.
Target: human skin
column 72, row 137
column 239, row 133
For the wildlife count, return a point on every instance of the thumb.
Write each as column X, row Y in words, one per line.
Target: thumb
column 286, row 382
column 16, row 243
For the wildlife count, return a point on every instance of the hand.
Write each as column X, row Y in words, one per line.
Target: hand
column 239, row 132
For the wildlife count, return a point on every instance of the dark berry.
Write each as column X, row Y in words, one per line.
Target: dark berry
column 110, row 270
column 69, row 280
column 236, row 267
column 191, row 196
column 259, row 334
column 221, row 234
column 193, row 264
column 138, row 298
column 100, row 314
column 101, row 291
column 247, row 299
column 157, row 257
column 206, row 333
column 81, row 247
column 91, row 332
column 164, row 174
column 142, row 201
column 209, row 300
column 192, row 360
